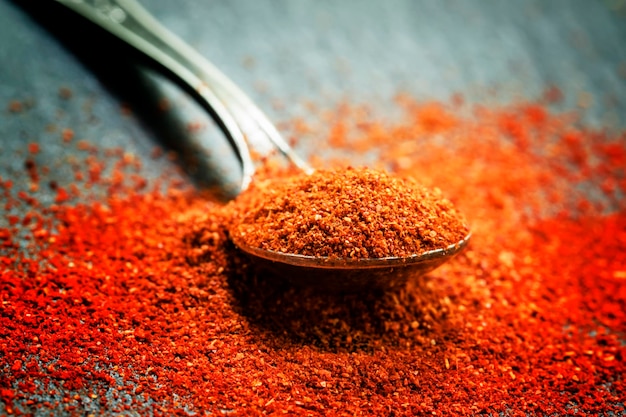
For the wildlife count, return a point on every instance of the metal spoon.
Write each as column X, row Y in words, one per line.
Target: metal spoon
column 240, row 120
column 238, row 117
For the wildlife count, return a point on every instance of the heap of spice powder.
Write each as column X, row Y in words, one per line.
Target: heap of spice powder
column 124, row 296
column 347, row 213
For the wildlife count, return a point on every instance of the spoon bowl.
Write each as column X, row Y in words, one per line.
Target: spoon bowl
column 348, row 274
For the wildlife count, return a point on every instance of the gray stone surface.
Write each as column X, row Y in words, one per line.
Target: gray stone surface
column 320, row 51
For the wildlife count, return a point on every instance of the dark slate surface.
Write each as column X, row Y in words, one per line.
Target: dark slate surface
column 300, row 50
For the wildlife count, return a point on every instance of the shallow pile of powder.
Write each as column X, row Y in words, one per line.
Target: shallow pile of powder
column 348, row 213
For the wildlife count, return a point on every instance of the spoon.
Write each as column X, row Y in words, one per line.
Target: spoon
column 234, row 112
column 241, row 120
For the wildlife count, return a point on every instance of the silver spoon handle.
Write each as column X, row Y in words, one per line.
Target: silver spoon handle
column 130, row 22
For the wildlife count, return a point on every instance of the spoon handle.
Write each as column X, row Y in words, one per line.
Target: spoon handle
column 237, row 115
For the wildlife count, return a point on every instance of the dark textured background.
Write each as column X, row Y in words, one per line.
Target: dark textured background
column 292, row 51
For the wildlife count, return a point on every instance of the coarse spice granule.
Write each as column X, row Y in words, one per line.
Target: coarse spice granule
column 347, row 213
column 137, row 300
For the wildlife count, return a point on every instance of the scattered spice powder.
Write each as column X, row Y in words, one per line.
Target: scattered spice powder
column 15, row 106
column 347, row 213
column 65, row 93
column 67, row 134
column 137, row 300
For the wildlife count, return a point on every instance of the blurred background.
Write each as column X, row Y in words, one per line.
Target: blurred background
column 288, row 54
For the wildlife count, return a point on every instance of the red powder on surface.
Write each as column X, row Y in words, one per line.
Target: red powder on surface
column 138, row 301
column 67, row 135
column 65, row 93
column 33, row 148
column 15, row 106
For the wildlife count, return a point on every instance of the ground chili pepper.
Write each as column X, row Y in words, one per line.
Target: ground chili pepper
column 137, row 300
column 347, row 213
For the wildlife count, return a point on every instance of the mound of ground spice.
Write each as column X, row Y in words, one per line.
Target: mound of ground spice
column 348, row 213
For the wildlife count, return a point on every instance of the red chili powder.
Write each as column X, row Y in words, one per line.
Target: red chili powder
column 138, row 301
column 347, row 213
